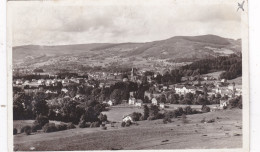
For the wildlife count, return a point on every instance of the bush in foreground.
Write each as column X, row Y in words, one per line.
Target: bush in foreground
column 41, row 120
column 49, row 127
column 94, row 124
column 71, row 126
column 123, row 124
column 61, row 127
column 205, row 108
column 36, row 127
column 26, row 129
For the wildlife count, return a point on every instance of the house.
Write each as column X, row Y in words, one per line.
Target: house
column 132, row 101
column 178, row 88
column 127, row 118
column 148, row 94
column 154, row 101
column 48, row 82
column 101, row 85
column 139, row 103
column 110, row 103
column 65, row 90
column 41, row 82
column 223, row 103
column 185, row 89
column 131, row 93
column 19, row 82
column 65, row 81
column 165, row 88
column 162, row 105
column 191, row 89
column 223, row 80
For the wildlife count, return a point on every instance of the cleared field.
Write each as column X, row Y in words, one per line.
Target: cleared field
column 213, row 74
column 238, row 81
column 116, row 113
column 225, row 132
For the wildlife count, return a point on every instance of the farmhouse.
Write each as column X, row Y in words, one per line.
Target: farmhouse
column 139, row 103
column 64, row 90
column 223, row 103
column 162, row 105
column 41, row 82
column 132, row 101
column 154, row 101
column 127, row 118
column 110, row 103
column 19, row 82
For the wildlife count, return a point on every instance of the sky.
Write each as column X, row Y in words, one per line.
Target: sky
column 114, row 21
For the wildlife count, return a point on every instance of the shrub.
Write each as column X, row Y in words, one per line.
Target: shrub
column 142, row 118
column 71, row 126
column 128, row 123
column 87, row 124
column 203, row 120
column 82, row 124
column 123, row 124
column 95, row 124
column 211, row 121
column 180, row 111
column 36, row 127
column 61, row 127
column 151, row 118
column 26, row 129
column 49, row 127
column 188, row 110
column 41, row 120
column 205, row 108
column 14, row 131
column 136, row 116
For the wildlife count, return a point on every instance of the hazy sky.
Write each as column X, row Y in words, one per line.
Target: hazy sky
column 99, row 21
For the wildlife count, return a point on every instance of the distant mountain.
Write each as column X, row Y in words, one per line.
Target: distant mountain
column 175, row 49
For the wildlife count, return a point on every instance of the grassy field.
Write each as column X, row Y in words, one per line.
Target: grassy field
column 116, row 113
column 213, row 74
column 225, row 132
column 238, row 81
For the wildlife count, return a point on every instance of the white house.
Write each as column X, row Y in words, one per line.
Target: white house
column 139, row 103
column 223, row 103
column 126, row 118
column 41, row 82
column 162, row 105
column 110, row 103
column 64, row 90
column 131, row 101
column 154, row 101
column 185, row 89
column 19, row 82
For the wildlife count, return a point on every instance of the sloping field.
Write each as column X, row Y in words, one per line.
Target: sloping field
column 116, row 113
column 225, row 132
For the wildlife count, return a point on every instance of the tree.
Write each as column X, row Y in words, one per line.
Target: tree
column 40, row 105
column 116, row 96
column 154, row 111
column 146, row 112
column 162, row 99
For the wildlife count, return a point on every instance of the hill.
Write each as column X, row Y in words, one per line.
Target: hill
column 150, row 54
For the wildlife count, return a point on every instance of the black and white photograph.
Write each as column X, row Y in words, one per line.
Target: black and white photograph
column 128, row 75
